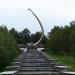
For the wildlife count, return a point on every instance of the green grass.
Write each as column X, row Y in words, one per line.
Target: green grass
column 67, row 60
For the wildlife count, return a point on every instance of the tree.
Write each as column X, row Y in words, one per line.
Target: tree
column 35, row 37
column 14, row 33
column 44, row 40
column 72, row 38
column 24, row 36
column 55, row 40
column 8, row 47
column 65, row 40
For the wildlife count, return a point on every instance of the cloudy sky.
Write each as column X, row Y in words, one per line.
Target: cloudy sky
column 14, row 13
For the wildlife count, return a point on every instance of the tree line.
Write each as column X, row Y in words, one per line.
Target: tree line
column 61, row 40
column 25, row 36
column 8, row 47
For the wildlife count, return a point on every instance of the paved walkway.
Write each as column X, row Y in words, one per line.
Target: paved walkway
column 34, row 62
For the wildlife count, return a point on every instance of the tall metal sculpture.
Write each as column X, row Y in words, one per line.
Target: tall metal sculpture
column 40, row 26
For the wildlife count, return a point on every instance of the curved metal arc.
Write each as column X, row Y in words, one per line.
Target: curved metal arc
column 40, row 26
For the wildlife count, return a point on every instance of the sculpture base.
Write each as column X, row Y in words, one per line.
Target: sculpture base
column 31, row 47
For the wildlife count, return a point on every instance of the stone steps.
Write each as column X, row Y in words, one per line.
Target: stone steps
column 39, row 73
column 36, row 65
column 34, row 62
column 40, row 59
column 33, row 56
column 37, row 69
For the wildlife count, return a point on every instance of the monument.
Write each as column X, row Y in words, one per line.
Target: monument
column 33, row 45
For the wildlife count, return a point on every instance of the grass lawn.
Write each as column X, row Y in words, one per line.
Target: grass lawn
column 67, row 60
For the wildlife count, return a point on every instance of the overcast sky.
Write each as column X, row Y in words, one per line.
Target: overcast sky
column 14, row 13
